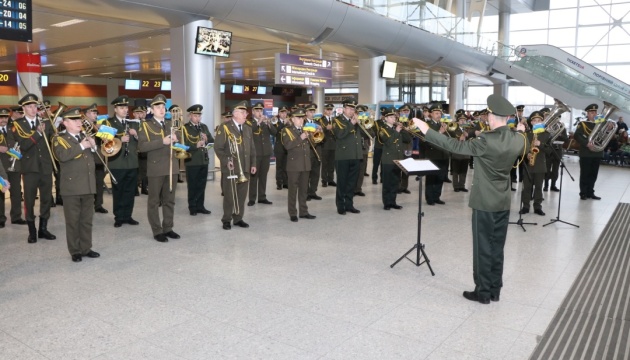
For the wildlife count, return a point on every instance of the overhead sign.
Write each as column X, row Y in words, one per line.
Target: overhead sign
column 16, row 20
column 302, row 70
column 8, row 79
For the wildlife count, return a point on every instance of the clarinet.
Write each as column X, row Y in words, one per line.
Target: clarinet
column 127, row 143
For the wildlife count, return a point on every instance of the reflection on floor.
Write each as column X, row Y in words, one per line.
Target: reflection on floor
column 316, row 289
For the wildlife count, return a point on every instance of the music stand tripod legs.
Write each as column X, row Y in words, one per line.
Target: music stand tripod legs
column 419, row 246
column 557, row 219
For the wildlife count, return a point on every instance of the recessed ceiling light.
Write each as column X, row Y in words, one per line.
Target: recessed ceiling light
column 68, row 23
column 106, row 73
column 128, row 71
column 262, row 71
column 167, row 49
column 86, row 75
column 5, row 70
column 72, row 62
column 264, row 58
column 226, row 62
column 38, row 30
column 35, row 53
column 344, row 75
column 140, row 52
column 48, row 65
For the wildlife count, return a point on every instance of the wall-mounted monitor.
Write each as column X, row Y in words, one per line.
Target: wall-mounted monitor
column 222, row 88
column 44, row 80
column 166, row 86
column 237, row 89
column 132, row 84
column 262, row 90
column 213, row 42
column 388, row 70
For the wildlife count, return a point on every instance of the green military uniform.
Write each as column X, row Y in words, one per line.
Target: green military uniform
column 328, row 150
column 298, row 167
column 77, row 187
column 197, row 164
column 494, row 152
column 435, row 182
column 100, row 167
column 378, row 151
column 589, row 160
column 262, row 132
column 37, row 169
column 366, row 142
column 348, row 155
column 15, row 192
column 533, row 182
column 124, row 167
column 394, row 143
column 316, row 155
column 227, row 133
column 280, row 152
column 553, row 161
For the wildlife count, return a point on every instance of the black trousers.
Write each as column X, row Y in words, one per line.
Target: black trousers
column 15, row 193
column 489, row 232
column 433, row 188
column 196, row 180
column 362, row 171
column 313, row 179
column 99, row 172
column 459, row 170
column 553, row 165
column 391, row 179
column 589, row 168
column 281, row 166
column 32, row 183
column 376, row 162
column 533, row 186
column 347, row 172
column 258, row 181
column 328, row 166
column 124, row 192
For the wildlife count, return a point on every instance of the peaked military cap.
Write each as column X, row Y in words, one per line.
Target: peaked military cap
column 388, row 111
column 329, row 106
column 258, row 105
column 350, row 103
column 46, row 104
column 308, row 107
column 459, row 112
column 17, row 109
column 520, row 107
column 283, row 108
column 170, row 108
column 545, row 110
column 227, row 114
column 28, row 99
column 425, row 108
column 158, row 99
column 4, row 112
column 436, row 107
column 92, row 107
column 299, row 112
column 475, row 113
column 74, row 113
column 294, row 107
column 140, row 103
column 122, row 100
column 405, row 107
column 592, row 107
column 141, row 108
column 195, row 109
column 241, row 105
column 536, row 115
column 499, row 105
column 460, row 116
column 361, row 108
column 483, row 112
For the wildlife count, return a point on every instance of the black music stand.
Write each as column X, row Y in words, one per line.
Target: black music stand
column 418, row 168
column 562, row 167
column 520, row 221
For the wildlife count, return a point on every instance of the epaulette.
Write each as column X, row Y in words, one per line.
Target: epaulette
column 288, row 132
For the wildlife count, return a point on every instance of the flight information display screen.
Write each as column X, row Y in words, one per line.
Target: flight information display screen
column 16, row 20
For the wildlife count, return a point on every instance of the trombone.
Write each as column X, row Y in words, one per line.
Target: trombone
column 51, row 119
column 234, row 179
column 89, row 132
column 176, row 125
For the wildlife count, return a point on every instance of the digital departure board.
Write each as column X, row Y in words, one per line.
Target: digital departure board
column 16, row 20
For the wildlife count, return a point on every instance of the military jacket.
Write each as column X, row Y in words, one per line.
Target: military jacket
column 77, row 165
column 540, row 164
column 228, row 133
column 494, row 153
column 191, row 136
column 262, row 137
column 348, row 139
column 433, row 152
column 9, row 142
column 2, row 172
column 394, row 144
column 318, row 146
column 298, row 150
column 120, row 161
column 330, row 143
column 581, row 135
column 35, row 155
column 150, row 139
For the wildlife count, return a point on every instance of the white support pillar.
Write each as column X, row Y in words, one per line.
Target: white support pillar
column 503, row 49
column 318, row 98
column 456, row 93
column 372, row 87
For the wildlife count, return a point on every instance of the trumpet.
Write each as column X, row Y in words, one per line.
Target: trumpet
column 89, row 132
column 365, row 124
column 16, row 147
column 411, row 128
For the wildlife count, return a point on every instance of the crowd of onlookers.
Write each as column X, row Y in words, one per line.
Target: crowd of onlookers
column 618, row 150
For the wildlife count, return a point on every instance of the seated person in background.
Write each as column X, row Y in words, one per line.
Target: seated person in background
column 611, row 150
column 624, row 148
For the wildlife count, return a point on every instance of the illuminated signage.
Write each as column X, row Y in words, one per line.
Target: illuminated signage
column 16, row 20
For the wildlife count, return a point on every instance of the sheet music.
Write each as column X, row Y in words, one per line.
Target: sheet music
column 411, row 165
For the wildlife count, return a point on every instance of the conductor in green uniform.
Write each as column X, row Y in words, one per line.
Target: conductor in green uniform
column 494, row 152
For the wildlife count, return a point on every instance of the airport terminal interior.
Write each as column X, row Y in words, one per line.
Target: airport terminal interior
column 326, row 288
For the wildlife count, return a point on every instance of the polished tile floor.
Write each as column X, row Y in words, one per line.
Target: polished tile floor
column 316, row 289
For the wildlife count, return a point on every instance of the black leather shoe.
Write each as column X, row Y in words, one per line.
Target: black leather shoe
column 430, row 203
column 294, row 218
column 438, row 201
column 513, row 188
column 251, row 203
column 447, row 180
column 227, row 226
column 594, row 197
column 308, row 216
column 463, row 190
column 553, row 188
column 1, row 225
column 59, row 200
column 387, row 207
column 374, row 182
column 161, row 238
column 359, row 193
column 524, row 211
column 539, row 212
column 278, row 187
column 315, row 197
column 341, row 212
column 494, row 297
column 353, row 210
column 583, row 197
column 144, row 192
column 76, row 258
column 324, row 184
column 131, row 221
column 193, row 212
column 117, row 224
column 137, row 193
column 19, row 222
column 101, row 210
column 204, row 211
column 406, row 191
column 472, row 296
column 456, row 190
column 396, row 206
column 332, row 183
column 285, row 186
column 172, row 234
column 242, row 224
column 267, row 202
column 545, row 188
column 92, row 254
column 45, row 234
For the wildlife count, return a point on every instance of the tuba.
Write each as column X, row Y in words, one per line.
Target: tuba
column 552, row 122
column 603, row 131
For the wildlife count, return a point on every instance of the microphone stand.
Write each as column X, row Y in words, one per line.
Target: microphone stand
column 562, row 167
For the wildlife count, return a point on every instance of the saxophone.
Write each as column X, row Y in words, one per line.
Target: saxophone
column 534, row 151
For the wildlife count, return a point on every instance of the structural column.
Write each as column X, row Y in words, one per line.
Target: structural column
column 372, row 87
column 318, row 98
column 503, row 48
column 456, row 93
